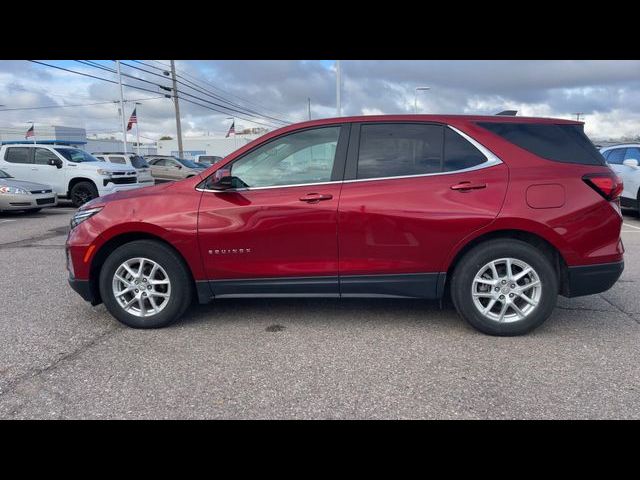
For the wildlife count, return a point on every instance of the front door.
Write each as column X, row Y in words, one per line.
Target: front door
column 276, row 233
column 46, row 173
column 411, row 193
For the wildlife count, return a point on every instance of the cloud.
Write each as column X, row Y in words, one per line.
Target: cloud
column 607, row 93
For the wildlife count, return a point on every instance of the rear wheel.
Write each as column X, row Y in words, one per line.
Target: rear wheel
column 82, row 192
column 145, row 284
column 504, row 287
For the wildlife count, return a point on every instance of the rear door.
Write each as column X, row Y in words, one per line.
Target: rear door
column 412, row 191
column 19, row 162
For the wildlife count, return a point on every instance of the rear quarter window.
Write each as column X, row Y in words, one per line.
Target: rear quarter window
column 565, row 143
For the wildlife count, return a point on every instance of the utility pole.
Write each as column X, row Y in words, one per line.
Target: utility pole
column 578, row 115
column 177, row 106
column 124, row 125
column 309, row 106
column 135, row 107
column 338, row 80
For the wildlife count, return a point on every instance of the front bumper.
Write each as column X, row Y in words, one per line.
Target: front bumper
column 83, row 288
column 590, row 279
column 113, row 188
column 27, row 202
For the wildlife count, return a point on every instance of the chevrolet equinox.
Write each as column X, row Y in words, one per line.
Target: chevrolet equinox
column 502, row 214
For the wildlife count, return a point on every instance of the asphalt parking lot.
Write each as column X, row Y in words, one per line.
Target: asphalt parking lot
column 62, row 358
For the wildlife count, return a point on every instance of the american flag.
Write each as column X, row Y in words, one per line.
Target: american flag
column 232, row 129
column 30, row 132
column 133, row 119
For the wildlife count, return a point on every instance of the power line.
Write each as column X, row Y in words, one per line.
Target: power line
column 93, row 76
column 71, row 106
column 216, row 110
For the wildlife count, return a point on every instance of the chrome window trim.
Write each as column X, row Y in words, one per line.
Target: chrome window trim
column 492, row 160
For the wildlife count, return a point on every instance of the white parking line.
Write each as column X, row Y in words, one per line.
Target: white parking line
column 627, row 225
column 4, row 221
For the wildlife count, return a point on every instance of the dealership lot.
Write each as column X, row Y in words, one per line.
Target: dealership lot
column 307, row 358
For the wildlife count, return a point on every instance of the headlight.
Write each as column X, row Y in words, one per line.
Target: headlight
column 82, row 215
column 13, row 191
column 106, row 173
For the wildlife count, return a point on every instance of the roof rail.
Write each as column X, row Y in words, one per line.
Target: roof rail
column 508, row 113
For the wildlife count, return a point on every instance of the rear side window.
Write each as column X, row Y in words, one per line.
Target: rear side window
column 632, row 153
column 560, row 143
column 18, row 155
column 616, row 156
column 395, row 150
column 459, row 153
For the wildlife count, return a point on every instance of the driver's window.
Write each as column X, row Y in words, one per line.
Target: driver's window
column 298, row 158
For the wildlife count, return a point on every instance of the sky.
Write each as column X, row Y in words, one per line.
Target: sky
column 272, row 93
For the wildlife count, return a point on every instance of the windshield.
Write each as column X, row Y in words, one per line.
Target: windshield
column 188, row 163
column 4, row 174
column 75, row 155
column 138, row 162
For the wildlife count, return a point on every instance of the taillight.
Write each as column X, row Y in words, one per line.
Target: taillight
column 609, row 185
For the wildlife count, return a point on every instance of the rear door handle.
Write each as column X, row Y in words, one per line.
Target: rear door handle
column 315, row 197
column 466, row 186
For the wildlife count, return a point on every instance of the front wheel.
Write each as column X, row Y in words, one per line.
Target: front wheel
column 504, row 287
column 145, row 284
column 82, row 192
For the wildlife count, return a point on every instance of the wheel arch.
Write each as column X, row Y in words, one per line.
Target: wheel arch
column 75, row 180
column 121, row 239
column 550, row 250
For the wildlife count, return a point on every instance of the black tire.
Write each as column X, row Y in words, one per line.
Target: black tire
column 33, row 210
column 82, row 192
column 178, row 273
column 473, row 261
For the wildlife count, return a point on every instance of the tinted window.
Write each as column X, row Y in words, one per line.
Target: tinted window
column 394, row 150
column 42, row 156
column 18, row 155
column 561, row 143
column 138, row 162
column 159, row 162
column 616, row 156
column 298, row 158
column 632, row 152
column 117, row 159
column 459, row 153
column 99, row 157
column 606, row 154
column 188, row 163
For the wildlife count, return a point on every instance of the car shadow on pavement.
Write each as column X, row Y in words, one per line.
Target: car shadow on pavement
column 321, row 311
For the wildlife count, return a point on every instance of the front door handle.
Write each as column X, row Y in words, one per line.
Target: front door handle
column 466, row 186
column 315, row 197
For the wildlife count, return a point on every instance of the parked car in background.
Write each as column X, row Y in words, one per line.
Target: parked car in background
column 208, row 160
column 624, row 159
column 25, row 196
column 136, row 161
column 166, row 168
column 501, row 213
column 71, row 172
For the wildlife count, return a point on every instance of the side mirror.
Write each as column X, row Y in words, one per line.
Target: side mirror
column 56, row 162
column 631, row 162
column 179, row 167
column 223, row 180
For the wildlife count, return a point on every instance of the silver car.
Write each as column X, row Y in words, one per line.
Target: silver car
column 21, row 195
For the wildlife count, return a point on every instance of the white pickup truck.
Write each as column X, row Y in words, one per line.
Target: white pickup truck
column 71, row 172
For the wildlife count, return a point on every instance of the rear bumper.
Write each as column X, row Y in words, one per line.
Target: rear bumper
column 27, row 202
column 590, row 279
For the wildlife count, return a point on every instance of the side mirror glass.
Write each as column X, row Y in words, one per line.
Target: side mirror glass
column 631, row 162
column 223, row 180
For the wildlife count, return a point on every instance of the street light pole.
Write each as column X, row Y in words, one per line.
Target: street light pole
column 124, row 125
column 177, row 107
column 338, row 80
column 415, row 97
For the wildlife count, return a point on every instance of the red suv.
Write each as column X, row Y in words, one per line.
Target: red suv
column 501, row 213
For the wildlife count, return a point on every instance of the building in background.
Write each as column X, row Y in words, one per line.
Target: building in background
column 205, row 145
column 75, row 136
